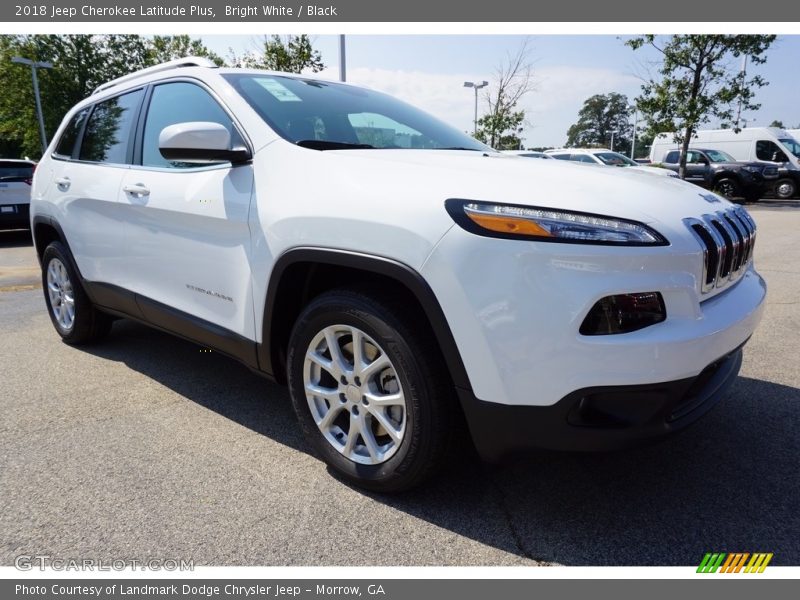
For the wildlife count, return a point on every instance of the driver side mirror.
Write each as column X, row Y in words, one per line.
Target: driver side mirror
column 200, row 142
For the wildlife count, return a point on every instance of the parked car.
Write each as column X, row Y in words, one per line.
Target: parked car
column 527, row 153
column 602, row 156
column 15, row 193
column 766, row 145
column 393, row 271
column 718, row 171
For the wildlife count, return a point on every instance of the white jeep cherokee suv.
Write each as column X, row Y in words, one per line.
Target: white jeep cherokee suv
column 396, row 273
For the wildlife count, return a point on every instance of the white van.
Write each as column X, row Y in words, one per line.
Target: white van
column 756, row 144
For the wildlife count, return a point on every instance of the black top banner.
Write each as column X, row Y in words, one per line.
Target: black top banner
column 459, row 11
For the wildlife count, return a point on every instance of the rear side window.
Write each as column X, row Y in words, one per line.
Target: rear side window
column 179, row 102
column 560, row 156
column 672, row 157
column 584, row 158
column 109, row 128
column 66, row 145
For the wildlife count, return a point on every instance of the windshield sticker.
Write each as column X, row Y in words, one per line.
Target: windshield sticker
column 277, row 89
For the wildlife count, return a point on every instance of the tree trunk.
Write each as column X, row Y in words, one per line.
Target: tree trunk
column 687, row 137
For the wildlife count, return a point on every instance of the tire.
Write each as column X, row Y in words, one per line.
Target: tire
column 401, row 369
column 728, row 187
column 74, row 316
column 785, row 188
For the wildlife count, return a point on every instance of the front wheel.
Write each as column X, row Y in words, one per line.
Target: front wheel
column 728, row 187
column 370, row 391
column 785, row 188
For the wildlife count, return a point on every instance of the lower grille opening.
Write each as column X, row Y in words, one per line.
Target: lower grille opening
column 615, row 410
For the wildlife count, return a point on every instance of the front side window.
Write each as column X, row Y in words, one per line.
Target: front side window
column 694, row 158
column 108, row 130
column 718, row 156
column 179, row 102
column 769, row 151
column 66, row 145
column 327, row 115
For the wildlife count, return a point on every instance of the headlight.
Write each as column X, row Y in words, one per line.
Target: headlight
column 509, row 221
column 750, row 169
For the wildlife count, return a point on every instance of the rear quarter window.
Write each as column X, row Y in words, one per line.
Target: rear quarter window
column 66, row 144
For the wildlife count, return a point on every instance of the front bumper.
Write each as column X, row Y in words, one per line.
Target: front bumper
column 599, row 418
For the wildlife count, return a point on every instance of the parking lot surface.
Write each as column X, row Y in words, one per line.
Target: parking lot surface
column 146, row 447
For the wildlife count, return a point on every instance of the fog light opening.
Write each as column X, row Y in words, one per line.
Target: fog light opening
column 624, row 313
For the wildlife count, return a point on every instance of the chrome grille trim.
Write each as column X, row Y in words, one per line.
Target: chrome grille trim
column 727, row 239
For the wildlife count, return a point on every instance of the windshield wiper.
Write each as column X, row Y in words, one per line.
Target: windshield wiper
column 330, row 145
column 459, row 148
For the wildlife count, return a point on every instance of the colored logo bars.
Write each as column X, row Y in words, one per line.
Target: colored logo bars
column 735, row 562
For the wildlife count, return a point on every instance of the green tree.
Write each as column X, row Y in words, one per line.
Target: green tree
column 168, row 47
column 290, row 54
column 697, row 80
column 80, row 64
column 502, row 126
column 602, row 115
column 778, row 124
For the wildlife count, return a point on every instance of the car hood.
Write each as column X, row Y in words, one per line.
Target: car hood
column 494, row 177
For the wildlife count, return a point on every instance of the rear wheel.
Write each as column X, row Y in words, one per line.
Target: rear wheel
column 370, row 392
column 74, row 316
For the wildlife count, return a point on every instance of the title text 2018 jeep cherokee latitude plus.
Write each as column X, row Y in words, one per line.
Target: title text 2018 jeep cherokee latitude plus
column 394, row 271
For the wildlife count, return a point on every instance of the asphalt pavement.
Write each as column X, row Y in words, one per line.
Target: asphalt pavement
column 146, row 447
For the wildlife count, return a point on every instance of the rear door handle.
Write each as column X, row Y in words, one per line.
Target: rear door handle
column 63, row 183
column 137, row 190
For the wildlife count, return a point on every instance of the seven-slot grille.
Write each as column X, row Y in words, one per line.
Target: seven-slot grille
column 727, row 238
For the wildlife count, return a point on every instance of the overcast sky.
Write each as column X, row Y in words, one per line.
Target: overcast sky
column 429, row 71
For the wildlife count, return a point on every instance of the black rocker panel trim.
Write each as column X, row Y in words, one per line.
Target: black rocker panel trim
column 128, row 304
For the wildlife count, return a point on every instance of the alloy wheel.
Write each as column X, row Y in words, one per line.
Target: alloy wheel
column 61, row 294
column 354, row 394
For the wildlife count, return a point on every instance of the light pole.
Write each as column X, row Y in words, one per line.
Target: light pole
column 476, row 86
column 36, row 65
column 635, row 124
column 612, row 140
column 342, row 60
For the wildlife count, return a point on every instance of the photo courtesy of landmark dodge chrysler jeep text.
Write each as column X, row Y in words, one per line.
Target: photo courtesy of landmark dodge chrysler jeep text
column 398, row 275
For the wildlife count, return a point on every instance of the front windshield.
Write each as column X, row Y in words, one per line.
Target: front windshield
column 718, row 156
column 792, row 145
column 327, row 115
column 615, row 159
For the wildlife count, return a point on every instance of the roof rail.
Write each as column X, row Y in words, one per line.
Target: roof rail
column 188, row 61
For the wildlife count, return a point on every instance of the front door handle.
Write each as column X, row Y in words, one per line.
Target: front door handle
column 63, row 183
column 137, row 190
